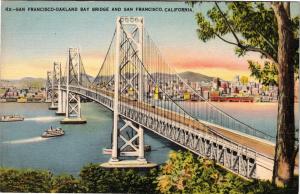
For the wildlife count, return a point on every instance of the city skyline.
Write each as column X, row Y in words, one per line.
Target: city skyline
column 30, row 48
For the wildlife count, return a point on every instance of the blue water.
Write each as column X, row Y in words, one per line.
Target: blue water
column 21, row 145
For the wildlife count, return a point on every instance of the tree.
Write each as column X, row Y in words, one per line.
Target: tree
column 267, row 75
column 67, row 184
column 25, row 180
column 97, row 179
column 269, row 30
column 184, row 173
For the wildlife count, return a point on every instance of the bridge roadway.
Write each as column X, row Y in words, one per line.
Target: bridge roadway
column 242, row 154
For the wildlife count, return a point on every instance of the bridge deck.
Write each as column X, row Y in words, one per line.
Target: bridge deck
column 259, row 145
column 254, row 143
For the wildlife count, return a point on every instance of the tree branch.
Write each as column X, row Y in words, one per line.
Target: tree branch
column 258, row 50
column 269, row 43
column 249, row 48
column 220, row 37
column 239, row 44
column 227, row 23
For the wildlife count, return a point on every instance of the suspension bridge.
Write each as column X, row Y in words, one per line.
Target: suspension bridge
column 142, row 90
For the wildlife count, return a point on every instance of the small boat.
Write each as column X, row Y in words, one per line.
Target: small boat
column 53, row 132
column 107, row 151
column 11, row 118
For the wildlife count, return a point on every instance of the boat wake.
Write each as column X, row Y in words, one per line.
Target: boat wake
column 42, row 119
column 28, row 140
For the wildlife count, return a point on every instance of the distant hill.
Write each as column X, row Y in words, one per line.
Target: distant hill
column 195, row 77
column 91, row 78
column 26, row 82
column 191, row 76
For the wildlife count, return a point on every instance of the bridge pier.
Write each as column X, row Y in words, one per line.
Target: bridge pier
column 61, row 110
column 61, row 98
column 53, row 105
column 128, row 137
column 73, row 104
column 54, row 93
column 141, row 153
column 73, row 110
column 130, row 143
column 48, row 88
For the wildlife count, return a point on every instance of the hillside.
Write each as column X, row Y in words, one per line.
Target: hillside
column 26, row 82
column 195, row 77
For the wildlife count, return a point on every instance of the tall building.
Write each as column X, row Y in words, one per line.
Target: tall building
column 236, row 78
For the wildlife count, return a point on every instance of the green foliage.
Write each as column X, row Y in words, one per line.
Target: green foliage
column 97, row 180
column 267, row 75
column 93, row 179
column 250, row 27
column 37, row 181
column 67, row 184
column 183, row 173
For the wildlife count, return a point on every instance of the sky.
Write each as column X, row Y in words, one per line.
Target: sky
column 32, row 41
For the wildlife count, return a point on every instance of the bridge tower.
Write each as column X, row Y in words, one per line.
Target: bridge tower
column 54, row 92
column 127, row 145
column 61, row 103
column 48, row 87
column 73, row 105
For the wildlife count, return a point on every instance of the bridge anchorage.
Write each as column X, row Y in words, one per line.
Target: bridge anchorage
column 142, row 91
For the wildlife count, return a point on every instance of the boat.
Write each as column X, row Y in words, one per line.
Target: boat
column 11, row 118
column 53, row 132
column 107, row 151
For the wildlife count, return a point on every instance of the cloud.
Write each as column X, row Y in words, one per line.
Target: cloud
column 36, row 67
column 210, row 63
